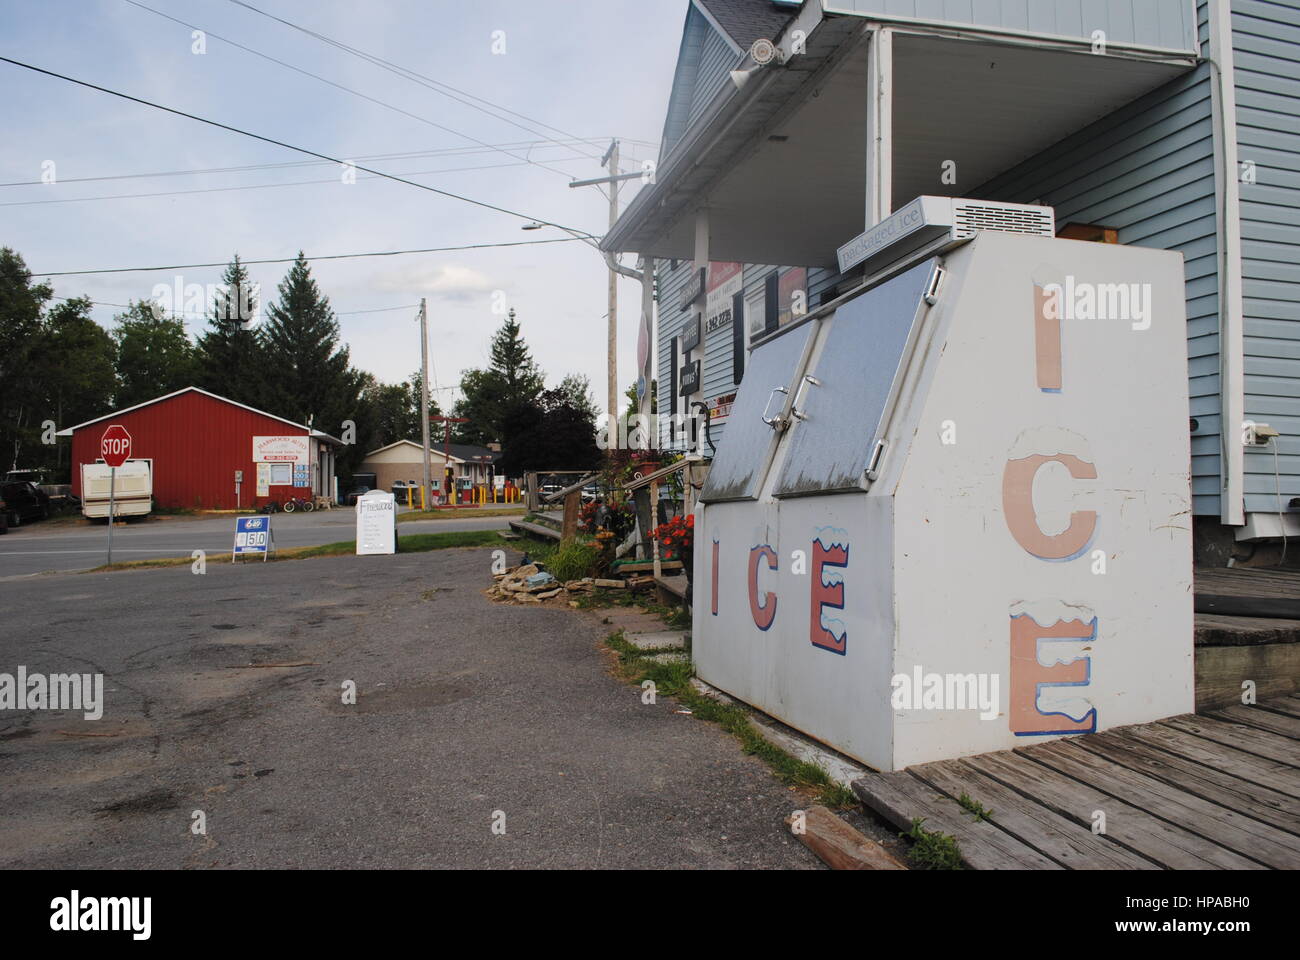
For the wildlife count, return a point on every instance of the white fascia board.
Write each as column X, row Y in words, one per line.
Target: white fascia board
column 1232, row 362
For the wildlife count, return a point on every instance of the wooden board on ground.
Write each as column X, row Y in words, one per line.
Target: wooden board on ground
column 839, row 846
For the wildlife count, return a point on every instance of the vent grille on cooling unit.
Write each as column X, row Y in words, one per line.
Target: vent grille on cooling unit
column 969, row 218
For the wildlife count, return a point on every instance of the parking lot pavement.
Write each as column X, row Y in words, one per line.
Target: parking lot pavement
column 38, row 547
column 468, row 715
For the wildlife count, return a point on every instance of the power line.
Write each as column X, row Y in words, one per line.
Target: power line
column 288, row 146
column 355, row 93
column 189, row 315
column 339, row 256
column 248, row 186
column 436, row 85
column 294, row 164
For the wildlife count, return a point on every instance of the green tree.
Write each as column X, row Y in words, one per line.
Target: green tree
column 512, row 381
column 555, row 431
column 310, row 378
column 75, row 367
column 230, row 355
column 154, row 354
column 21, row 303
column 390, row 412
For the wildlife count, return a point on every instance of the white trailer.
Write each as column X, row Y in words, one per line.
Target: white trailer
column 952, row 510
column 133, row 489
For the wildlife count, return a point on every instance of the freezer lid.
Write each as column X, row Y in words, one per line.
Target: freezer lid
column 743, row 457
column 843, row 407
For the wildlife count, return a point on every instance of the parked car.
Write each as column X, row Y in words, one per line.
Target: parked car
column 21, row 501
column 355, row 494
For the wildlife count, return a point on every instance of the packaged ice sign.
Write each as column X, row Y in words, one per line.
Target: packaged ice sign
column 947, row 487
column 253, row 536
column 376, row 524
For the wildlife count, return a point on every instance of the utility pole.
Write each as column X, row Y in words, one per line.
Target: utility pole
column 424, row 397
column 611, row 160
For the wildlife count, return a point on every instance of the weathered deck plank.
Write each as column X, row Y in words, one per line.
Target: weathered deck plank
column 900, row 797
column 1280, row 724
column 1248, row 767
column 1239, row 735
column 1070, row 843
column 1126, row 824
column 1284, row 705
column 1260, row 803
column 1259, row 841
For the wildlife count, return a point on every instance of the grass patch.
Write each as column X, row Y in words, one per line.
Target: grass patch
column 974, row 808
column 573, row 560
column 932, row 850
column 416, row 543
column 464, row 513
column 674, row 680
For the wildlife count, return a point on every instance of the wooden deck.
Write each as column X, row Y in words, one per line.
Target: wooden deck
column 1220, row 791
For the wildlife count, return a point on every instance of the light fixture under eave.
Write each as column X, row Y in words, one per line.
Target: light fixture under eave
column 764, row 53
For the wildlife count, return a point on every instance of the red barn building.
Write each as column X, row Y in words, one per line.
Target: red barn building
column 197, row 441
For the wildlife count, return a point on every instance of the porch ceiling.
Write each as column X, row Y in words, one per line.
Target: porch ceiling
column 795, row 191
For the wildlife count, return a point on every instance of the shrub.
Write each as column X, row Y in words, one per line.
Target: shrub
column 573, row 560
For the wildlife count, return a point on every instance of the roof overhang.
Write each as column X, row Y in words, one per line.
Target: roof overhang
column 314, row 434
column 780, row 163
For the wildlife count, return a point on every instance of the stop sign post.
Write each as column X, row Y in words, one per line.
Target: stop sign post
column 115, row 449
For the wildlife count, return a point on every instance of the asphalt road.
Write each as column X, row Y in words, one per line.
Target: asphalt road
column 468, row 714
column 37, row 547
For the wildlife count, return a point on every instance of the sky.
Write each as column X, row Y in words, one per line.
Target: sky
column 564, row 77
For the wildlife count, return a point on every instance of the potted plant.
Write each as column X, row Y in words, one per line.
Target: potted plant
column 677, row 539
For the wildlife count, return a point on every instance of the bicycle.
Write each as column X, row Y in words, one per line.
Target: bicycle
column 299, row 503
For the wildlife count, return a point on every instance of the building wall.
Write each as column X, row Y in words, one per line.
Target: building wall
column 196, row 443
column 1153, row 23
column 703, row 64
column 1149, row 170
column 718, row 367
column 1266, row 49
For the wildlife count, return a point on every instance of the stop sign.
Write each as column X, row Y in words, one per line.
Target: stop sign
column 115, row 446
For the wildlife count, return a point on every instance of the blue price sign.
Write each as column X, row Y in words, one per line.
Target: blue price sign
column 253, row 535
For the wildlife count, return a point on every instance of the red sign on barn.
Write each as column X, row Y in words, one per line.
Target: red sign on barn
column 115, row 446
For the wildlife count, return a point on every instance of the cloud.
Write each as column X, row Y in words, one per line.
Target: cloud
column 437, row 281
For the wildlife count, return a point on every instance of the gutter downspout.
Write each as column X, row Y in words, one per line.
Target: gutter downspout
column 1231, row 307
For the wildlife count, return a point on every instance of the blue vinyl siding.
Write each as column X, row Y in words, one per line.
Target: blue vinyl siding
column 1148, row 170
column 1266, row 49
column 1169, row 24
column 704, row 63
column 718, row 368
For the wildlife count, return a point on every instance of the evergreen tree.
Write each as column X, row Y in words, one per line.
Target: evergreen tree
column 153, row 353
column 512, row 382
column 309, row 378
column 230, row 357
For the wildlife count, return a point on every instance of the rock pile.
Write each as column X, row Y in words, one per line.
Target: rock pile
column 533, row 584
